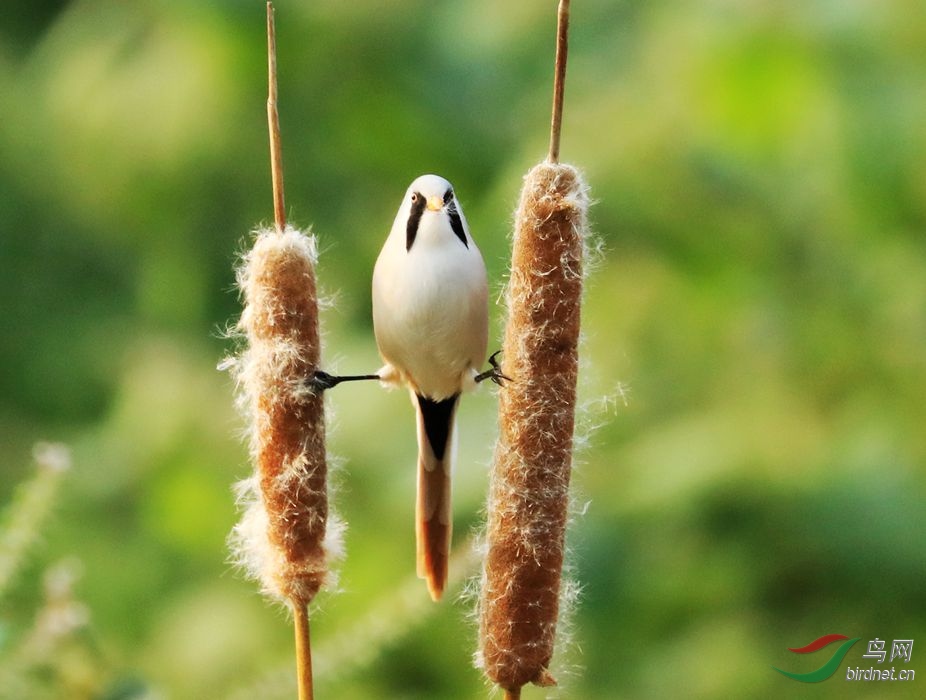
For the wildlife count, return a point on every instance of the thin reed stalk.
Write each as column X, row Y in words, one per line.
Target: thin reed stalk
column 273, row 121
column 303, row 652
column 559, row 79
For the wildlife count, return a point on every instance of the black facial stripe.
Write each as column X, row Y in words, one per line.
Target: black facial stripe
column 414, row 217
column 456, row 223
column 448, row 195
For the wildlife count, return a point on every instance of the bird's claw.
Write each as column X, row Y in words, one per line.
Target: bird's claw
column 320, row 381
column 494, row 374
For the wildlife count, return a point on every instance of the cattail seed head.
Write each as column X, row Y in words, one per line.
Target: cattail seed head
column 529, row 489
column 284, row 538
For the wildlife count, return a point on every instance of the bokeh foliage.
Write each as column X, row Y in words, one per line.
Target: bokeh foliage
column 755, row 331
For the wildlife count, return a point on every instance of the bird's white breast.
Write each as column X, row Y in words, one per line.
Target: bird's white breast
column 430, row 307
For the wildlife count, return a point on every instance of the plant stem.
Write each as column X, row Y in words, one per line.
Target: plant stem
column 512, row 694
column 300, row 609
column 559, row 78
column 273, row 119
column 303, row 650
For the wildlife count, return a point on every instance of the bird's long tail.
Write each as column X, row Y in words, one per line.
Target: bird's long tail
column 433, row 514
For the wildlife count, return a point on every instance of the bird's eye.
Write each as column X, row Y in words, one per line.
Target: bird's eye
column 448, row 195
column 414, row 197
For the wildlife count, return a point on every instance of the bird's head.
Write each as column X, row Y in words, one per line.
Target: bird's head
column 431, row 195
column 430, row 192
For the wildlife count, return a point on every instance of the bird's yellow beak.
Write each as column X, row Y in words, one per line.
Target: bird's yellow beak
column 435, row 203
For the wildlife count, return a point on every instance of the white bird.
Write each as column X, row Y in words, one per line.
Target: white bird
column 430, row 318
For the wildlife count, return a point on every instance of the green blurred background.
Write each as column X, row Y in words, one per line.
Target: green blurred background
column 754, row 459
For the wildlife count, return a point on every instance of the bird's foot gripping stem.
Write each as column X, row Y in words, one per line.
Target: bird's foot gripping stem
column 495, row 374
column 320, row 381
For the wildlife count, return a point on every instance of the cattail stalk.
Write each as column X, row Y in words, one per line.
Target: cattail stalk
column 285, row 538
column 273, row 121
column 529, row 489
column 559, row 78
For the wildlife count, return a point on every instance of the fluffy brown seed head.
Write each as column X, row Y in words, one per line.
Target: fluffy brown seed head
column 281, row 538
column 528, row 496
